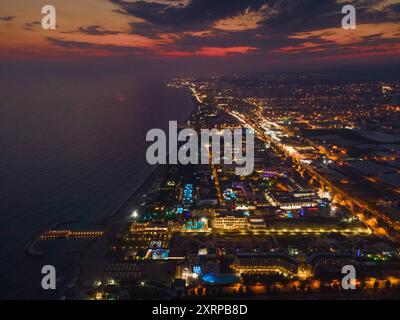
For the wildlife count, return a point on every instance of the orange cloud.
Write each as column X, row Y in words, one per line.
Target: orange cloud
column 209, row 52
column 305, row 46
column 346, row 44
column 222, row 52
column 245, row 21
column 343, row 37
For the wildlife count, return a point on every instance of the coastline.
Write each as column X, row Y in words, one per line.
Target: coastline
column 91, row 258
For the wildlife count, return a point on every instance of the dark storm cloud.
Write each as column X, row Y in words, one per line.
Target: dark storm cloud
column 202, row 14
column 279, row 27
column 375, row 11
column 96, row 31
column 305, row 15
column 31, row 25
column 147, row 29
column 289, row 15
column 68, row 44
column 7, row 18
column 203, row 29
column 297, row 15
column 195, row 14
column 373, row 37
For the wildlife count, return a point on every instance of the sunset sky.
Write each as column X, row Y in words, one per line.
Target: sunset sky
column 258, row 32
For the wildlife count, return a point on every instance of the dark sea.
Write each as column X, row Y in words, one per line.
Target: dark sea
column 71, row 145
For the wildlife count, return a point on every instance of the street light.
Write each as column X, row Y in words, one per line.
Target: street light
column 135, row 214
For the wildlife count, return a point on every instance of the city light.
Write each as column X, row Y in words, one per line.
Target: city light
column 135, row 214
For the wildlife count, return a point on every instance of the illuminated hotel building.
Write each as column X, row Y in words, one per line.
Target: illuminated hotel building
column 257, row 224
column 264, row 264
column 231, row 221
column 293, row 200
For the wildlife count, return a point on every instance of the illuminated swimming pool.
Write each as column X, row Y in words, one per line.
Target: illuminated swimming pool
column 223, row 279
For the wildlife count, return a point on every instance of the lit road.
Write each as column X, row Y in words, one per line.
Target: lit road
column 216, row 180
column 390, row 229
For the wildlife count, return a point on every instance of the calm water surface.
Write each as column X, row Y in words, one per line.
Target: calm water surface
column 70, row 146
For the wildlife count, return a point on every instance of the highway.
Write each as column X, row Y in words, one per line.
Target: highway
column 388, row 227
